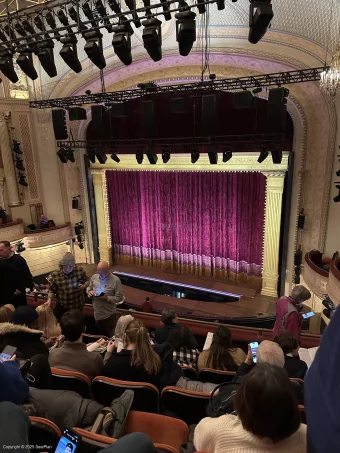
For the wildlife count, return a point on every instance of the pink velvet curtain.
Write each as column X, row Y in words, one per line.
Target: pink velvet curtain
column 202, row 223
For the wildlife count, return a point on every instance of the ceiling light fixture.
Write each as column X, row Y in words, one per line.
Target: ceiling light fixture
column 185, row 31
column 227, row 154
column 260, row 16
column 195, row 155
column 140, row 157
column 263, row 155
column 152, row 38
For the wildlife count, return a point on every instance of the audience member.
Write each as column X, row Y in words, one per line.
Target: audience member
column 13, row 386
column 170, row 321
column 9, row 277
column 295, row 367
column 221, row 355
column 179, row 339
column 137, row 361
column 288, row 316
column 43, row 221
column 22, row 333
column 121, row 325
column 267, row 420
column 48, row 324
column 105, row 290
column 6, row 313
column 3, row 216
column 67, row 284
column 25, row 279
column 147, row 306
column 14, row 428
column 73, row 355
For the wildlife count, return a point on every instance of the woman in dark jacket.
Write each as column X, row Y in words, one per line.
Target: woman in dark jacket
column 295, row 367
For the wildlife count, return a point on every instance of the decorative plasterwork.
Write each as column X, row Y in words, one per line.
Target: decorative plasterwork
column 333, row 289
column 316, row 283
column 12, row 232
column 49, row 237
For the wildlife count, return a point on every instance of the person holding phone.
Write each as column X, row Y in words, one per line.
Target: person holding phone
column 13, row 386
column 288, row 316
column 105, row 290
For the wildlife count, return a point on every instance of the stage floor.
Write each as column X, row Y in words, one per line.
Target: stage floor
column 251, row 303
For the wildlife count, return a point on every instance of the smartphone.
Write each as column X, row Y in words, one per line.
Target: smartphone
column 8, row 353
column 100, row 295
column 253, row 347
column 308, row 315
column 68, row 442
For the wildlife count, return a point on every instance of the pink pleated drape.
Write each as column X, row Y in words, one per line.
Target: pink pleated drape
column 202, row 223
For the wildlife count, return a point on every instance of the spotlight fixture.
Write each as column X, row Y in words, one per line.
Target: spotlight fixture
column 25, row 61
column 46, row 57
column 91, row 155
column 6, row 64
column 213, row 157
column 276, row 154
column 185, row 31
column 131, row 4
column 140, row 157
column 166, row 156
column 70, row 155
column 62, row 154
column 114, row 157
column 337, row 198
column 338, row 173
column 227, row 154
column 166, row 10
column 263, row 155
column 75, row 17
column 52, row 23
column 22, row 180
column 121, row 42
column 260, row 16
column 94, row 47
column 69, row 52
column 19, row 165
column 101, row 11
column 152, row 157
column 101, row 156
column 152, row 38
column 16, row 147
column 195, row 155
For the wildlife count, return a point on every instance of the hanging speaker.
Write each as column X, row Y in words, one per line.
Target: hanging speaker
column 97, row 112
column 76, row 113
column 59, row 124
column 243, row 100
column 148, row 118
column 277, row 110
column 208, row 113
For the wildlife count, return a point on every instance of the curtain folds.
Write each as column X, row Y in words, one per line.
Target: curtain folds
column 200, row 223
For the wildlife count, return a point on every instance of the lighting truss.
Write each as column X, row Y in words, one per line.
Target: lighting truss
column 263, row 80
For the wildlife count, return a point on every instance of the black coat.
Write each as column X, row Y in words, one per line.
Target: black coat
column 295, row 367
column 25, row 278
column 9, row 278
column 162, row 334
column 27, row 341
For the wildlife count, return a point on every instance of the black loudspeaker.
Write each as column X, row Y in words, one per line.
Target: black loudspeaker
column 178, row 105
column 276, row 112
column 298, row 258
column 148, row 118
column 119, row 110
column 97, row 112
column 243, row 100
column 208, row 113
column 301, row 222
column 76, row 113
column 59, row 124
column 75, row 203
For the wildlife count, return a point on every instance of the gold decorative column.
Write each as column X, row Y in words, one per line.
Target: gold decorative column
column 270, row 273
column 98, row 184
column 7, row 159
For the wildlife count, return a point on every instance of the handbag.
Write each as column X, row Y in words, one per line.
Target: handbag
column 25, row 367
column 223, row 402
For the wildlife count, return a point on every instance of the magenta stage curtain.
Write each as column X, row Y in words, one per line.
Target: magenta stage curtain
column 202, row 223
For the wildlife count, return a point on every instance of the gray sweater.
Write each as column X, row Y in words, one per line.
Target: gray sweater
column 112, row 287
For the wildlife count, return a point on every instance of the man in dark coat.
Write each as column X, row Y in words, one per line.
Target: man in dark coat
column 25, row 276
column 170, row 321
column 9, row 278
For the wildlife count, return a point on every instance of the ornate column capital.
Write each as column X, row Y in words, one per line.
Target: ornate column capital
column 5, row 117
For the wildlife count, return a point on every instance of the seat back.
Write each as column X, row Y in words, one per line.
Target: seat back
column 146, row 396
column 43, row 433
column 189, row 372
column 189, row 406
column 215, row 376
column 160, row 429
column 89, row 338
column 71, row 380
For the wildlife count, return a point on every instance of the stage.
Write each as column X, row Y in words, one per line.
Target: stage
column 251, row 302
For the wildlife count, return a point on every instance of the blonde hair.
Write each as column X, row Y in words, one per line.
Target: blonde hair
column 5, row 313
column 10, row 306
column 143, row 354
column 47, row 322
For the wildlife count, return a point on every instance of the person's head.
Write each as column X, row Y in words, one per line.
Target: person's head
column 266, row 403
column 47, row 321
column 270, row 353
column 67, row 263
column 69, row 448
column 219, row 357
column 300, row 294
column 25, row 315
column 288, row 343
column 179, row 337
column 103, row 269
column 72, row 325
column 5, row 249
column 137, row 339
column 5, row 314
column 169, row 316
column 121, row 325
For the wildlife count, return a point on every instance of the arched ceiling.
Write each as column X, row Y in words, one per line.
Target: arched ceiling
column 305, row 27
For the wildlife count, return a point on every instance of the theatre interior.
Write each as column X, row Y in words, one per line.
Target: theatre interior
column 194, row 146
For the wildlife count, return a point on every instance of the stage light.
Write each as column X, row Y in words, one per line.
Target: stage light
column 62, row 154
column 92, row 157
column 28, row 27
column 166, row 156
column 260, row 16
column 62, row 17
column 201, row 6
column 101, row 156
column 139, row 157
column 152, row 157
column 46, row 57
column 227, row 154
column 121, row 43
column 114, row 157
column 166, row 10
column 52, row 23
column 185, row 31
column 18, row 164
column 195, row 155
column 22, row 180
column 101, row 11
column 338, row 173
column 75, row 17
column 94, row 47
column 263, row 155
column 25, row 62
column 70, row 155
column 220, row 4
column 131, row 4
column 276, row 154
column 337, row 198
column 213, row 157
column 152, row 38
column 6, row 64
column 69, row 52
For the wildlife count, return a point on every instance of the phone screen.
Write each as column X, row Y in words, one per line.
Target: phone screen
column 308, row 315
column 68, row 443
column 253, row 347
column 8, row 352
column 4, row 356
